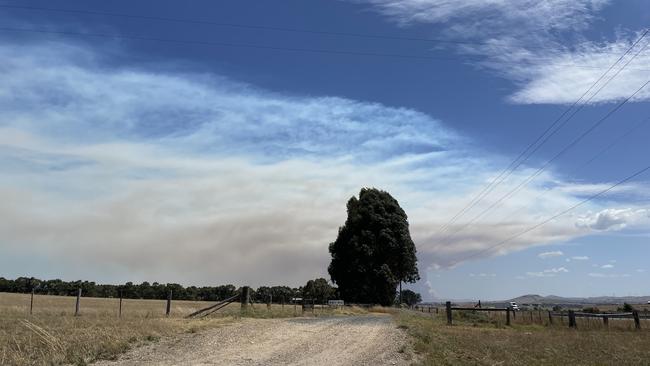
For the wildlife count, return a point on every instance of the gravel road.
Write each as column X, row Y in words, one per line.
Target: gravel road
column 349, row 340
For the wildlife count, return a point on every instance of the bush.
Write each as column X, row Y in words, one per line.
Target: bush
column 627, row 308
column 592, row 310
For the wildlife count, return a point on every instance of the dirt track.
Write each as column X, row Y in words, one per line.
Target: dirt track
column 353, row 340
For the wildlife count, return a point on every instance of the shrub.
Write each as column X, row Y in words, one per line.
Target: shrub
column 592, row 310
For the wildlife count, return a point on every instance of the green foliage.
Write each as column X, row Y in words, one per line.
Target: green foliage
column 145, row 290
column 410, row 298
column 373, row 251
column 627, row 308
column 276, row 294
column 318, row 290
column 591, row 310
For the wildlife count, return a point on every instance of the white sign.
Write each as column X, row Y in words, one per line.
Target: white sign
column 335, row 302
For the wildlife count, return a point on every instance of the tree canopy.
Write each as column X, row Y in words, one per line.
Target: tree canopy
column 410, row 297
column 373, row 251
column 318, row 290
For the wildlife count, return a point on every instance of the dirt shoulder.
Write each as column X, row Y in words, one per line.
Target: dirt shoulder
column 347, row 340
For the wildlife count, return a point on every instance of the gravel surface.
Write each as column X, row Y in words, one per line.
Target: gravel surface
column 349, row 340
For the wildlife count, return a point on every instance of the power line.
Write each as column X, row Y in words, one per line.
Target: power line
column 524, row 155
column 566, row 148
column 583, row 165
column 264, row 47
column 505, row 241
column 255, row 27
column 555, row 157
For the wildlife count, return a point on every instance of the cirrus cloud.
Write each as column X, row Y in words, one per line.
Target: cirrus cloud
column 191, row 178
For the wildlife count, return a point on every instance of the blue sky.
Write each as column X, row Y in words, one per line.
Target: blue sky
column 136, row 146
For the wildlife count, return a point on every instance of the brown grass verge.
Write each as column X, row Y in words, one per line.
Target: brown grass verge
column 472, row 342
column 54, row 336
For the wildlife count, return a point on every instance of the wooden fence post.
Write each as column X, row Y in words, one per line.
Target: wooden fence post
column 508, row 317
column 550, row 318
column 448, row 306
column 637, row 321
column 531, row 317
column 606, row 321
column 76, row 307
column 245, row 297
column 572, row 319
column 31, row 304
column 168, row 309
column 119, row 312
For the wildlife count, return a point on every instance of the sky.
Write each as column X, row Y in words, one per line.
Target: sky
column 219, row 142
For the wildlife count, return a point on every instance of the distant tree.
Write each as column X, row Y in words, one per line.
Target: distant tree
column 591, row 309
column 373, row 252
column 627, row 308
column 410, row 298
column 318, row 290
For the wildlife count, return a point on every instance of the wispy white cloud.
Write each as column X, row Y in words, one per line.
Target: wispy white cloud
column 536, row 44
column 580, row 258
column 608, row 275
column 614, row 218
column 190, row 178
column 551, row 272
column 552, row 254
column 607, row 266
column 555, row 14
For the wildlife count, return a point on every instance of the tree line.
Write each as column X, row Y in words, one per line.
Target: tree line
column 319, row 290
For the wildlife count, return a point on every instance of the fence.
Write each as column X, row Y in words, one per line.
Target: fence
column 78, row 305
column 572, row 319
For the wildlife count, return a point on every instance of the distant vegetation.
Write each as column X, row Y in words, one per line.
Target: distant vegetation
column 373, row 252
column 318, row 289
column 411, row 298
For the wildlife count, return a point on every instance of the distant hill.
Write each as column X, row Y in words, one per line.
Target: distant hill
column 552, row 299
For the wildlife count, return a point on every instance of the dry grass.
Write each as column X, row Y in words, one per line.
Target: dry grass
column 476, row 340
column 53, row 335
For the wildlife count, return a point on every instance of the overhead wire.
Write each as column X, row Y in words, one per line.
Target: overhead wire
column 526, row 153
column 562, row 151
column 254, row 26
column 546, row 221
column 588, row 162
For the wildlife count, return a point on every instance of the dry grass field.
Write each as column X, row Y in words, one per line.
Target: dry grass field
column 478, row 340
column 53, row 335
